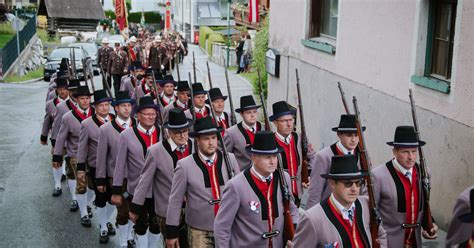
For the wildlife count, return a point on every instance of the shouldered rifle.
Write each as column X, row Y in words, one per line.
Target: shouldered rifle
column 209, row 76
column 194, row 68
column 191, row 106
column 366, row 166
column 228, row 163
column 288, row 228
column 427, row 222
column 105, row 84
column 160, row 116
column 233, row 119
column 262, row 99
column 177, row 71
column 304, row 138
column 86, row 71
column 343, row 97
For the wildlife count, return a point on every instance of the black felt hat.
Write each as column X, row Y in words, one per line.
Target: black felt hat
column 146, row 102
column 123, row 97
column 167, row 79
column 469, row 217
column 183, row 86
column 214, row 94
column 148, row 72
column 344, row 167
column 205, row 126
column 74, row 84
column 101, row 96
column 246, row 103
column 61, row 83
column 63, row 66
column 82, row 91
column 281, row 108
column 264, row 144
column 198, row 89
column 405, row 136
column 177, row 120
column 347, row 124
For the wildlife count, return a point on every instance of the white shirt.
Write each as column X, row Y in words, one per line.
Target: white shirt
column 343, row 148
column 286, row 139
column 62, row 100
column 173, row 145
column 259, row 176
column 121, row 122
column 221, row 117
column 200, row 110
column 168, row 99
column 182, row 105
column 83, row 110
column 206, row 158
column 402, row 169
column 148, row 132
column 250, row 127
column 106, row 119
column 344, row 211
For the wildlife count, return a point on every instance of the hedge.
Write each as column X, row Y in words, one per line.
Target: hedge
column 204, row 33
column 150, row 17
column 259, row 51
column 214, row 37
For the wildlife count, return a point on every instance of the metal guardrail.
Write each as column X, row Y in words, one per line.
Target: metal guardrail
column 9, row 51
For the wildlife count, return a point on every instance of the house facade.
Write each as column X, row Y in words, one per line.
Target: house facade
column 378, row 50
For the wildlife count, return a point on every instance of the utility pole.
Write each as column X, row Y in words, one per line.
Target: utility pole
column 228, row 33
column 17, row 27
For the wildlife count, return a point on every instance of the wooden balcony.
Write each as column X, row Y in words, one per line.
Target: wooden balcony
column 241, row 17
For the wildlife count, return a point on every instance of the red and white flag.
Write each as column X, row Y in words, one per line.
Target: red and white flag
column 253, row 11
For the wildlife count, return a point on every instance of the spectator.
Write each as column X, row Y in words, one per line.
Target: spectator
column 247, row 54
column 5, row 16
column 239, row 51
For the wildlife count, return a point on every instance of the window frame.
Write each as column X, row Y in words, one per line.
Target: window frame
column 315, row 38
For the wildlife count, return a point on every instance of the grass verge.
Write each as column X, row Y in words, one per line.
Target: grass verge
column 29, row 76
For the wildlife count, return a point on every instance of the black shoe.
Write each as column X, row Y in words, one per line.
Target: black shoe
column 85, row 221
column 110, row 229
column 57, row 192
column 73, row 207
column 89, row 211
column 104, row 237
column 63, row 178
column 131, row 243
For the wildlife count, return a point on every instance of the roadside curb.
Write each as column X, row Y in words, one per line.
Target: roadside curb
column 25, row 82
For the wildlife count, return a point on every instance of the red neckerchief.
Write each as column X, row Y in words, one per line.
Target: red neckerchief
column 132, row 53
column 216, row 191
column 201, row 115
column 352, row 231
column 411, row 204
column 81, row 114
column 149, row 140
column 267, row 190
column 182, row 155
column 291, row 161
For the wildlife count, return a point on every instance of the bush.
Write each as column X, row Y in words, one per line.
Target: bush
column 150, row 17
column 6, row 28
column 204, row 32
column 214, row 37
column 259, row 51
column 110, row 14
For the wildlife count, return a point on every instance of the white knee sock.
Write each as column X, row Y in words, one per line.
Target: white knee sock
column 57, row 174
column 102, row 216
column 90, row 196
column 124, row 233
column 110, row 210
column 153, row 240
column 131, row 232
column 142, row 241
column 82, row 202
column 72, row 188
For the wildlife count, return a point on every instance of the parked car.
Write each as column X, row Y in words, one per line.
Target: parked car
column 54, row 59
column 92, row 51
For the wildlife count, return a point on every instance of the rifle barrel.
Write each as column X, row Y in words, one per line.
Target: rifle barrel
column 304, row 138
column 233, row 119
column 343, row 97
column 191, row 106
column 262, row 99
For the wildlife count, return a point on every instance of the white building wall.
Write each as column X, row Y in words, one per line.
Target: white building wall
column 378, row 49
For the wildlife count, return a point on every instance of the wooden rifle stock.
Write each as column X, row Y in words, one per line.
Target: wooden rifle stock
column 288, row 228
column 343, row 98
column 304, row 138
column 228, row 163
column 427, row 222
column 366, row 166
column 262, row 100
column 159, row 114
column 233, row 119
column 105, row 84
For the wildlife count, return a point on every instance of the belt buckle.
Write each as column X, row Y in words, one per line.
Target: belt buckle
column 294, row 178
column 415, row 225
column 267, row 235
column 214, row 201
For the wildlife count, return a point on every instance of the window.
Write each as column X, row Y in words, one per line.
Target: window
column 322, row 31
column 323, row 20
column 441, row 30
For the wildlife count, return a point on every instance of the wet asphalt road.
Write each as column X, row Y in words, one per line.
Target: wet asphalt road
column 30, row 216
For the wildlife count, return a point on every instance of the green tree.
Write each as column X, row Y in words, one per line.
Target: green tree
column 261, row 47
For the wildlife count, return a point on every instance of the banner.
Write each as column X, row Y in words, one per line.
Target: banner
column 168, row 15
column 253, row 11
column 121, row 14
